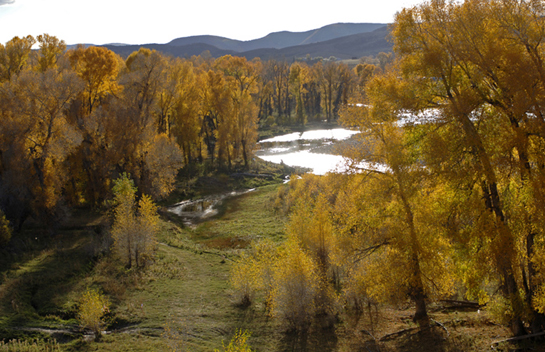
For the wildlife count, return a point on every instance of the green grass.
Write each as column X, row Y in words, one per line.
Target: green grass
column 185, row 290
column 243, row 219
column 184, row 298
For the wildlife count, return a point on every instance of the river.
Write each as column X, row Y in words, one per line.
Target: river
column 306, row 149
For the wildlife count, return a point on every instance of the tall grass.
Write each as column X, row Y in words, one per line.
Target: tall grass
column 32, row 346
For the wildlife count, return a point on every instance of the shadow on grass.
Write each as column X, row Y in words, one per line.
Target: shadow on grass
column 309, row 341
column 434, row 339
column 36, row 285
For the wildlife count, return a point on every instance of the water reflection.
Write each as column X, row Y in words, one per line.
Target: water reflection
column 193, row 211
column 310, row 149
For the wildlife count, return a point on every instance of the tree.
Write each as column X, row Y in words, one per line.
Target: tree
column 242, row 77
column 298, row 80
column 5, row 229
column 277, row 73
column 37, row 137
column 14, row 56
column 92, row 307
column 51, row 50
column 216, row 110
column 238, row 342
column 134, row 229
column 98, row 67
column 185, row 119
column 296, row 281
column 405, row 235
column 474, row 68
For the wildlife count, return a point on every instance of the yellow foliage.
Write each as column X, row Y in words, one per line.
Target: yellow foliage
column 253, row 271
column 92, row 307
column 5, row 229
column 238, row 343
column 296, row 285
column 98, row 68
column 134, row 229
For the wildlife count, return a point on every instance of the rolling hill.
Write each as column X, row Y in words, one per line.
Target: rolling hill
column 341, row 40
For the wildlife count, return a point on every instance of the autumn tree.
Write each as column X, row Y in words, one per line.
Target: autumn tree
column 51, row 50
column 399, row 183
column 14, row 56
column 242, row 77
column 5, row 229
column 98, row 68
column 299, row 76
column 185, row 119
column 216, row 113
column 92, row 308
column 296, row 283
column 135, row 225
column 277, row 73
column 364, row 72
column 335, row 81
column 37, row 137
column 469, row 76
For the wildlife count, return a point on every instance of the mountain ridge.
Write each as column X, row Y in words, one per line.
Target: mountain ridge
column 340, row 40
column 282, row 39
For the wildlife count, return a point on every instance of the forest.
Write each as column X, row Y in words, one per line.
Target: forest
column 74, row 120
column 443, row 200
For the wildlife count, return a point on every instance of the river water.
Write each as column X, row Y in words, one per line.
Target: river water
column 306, row 149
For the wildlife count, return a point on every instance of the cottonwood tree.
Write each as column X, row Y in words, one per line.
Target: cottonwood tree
column 37, row 136
column 91, row 164
column 135, row 225
column 242, row 78
column 98, row 67
column 51, row 51
column 5, row 229
column 400, row 184
column 475, row 67
column 185, row 119
column 295, row 288
column 299, row 76
column 14, row 56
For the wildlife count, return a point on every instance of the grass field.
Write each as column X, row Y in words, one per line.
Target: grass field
column 183, row 300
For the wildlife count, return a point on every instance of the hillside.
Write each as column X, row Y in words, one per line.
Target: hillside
column 280, row 40
column 341, row 40
column 352, row 46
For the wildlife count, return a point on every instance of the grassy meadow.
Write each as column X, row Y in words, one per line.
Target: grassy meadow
column 183, row 300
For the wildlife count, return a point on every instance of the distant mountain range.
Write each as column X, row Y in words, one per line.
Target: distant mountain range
column 341, row 40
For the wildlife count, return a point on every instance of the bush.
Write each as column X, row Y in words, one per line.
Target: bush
column 92, row 308
column 296, row 285
column 5, row 229
column 245, row 279
column 253, row 272
column 239, row 343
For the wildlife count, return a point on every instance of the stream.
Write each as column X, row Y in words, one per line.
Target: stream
column 310, row 149
column 192, row 211
column 307, row 149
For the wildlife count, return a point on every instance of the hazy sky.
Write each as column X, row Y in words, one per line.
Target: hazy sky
column 160, row 21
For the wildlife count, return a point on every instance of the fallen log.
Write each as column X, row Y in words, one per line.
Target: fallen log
column 246, row 174
column 518, row 338
column 463, row 303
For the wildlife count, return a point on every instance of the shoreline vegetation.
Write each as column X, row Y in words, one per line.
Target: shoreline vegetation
column 183, row 301
column 432, row 240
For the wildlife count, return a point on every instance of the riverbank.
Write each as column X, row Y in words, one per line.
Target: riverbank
column 273, row 131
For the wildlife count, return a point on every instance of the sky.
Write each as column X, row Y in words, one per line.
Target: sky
column 160, row 21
